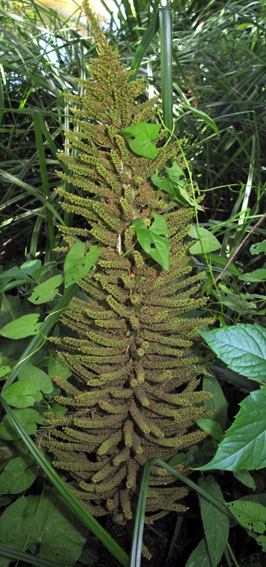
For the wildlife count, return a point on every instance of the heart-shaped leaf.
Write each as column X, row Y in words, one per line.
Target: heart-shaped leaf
column 38, row 377
column 208, row 242
column 154, row 239
column 22, row 394
column 17, row 476
column 76, row 264
column 25, row 326
column 46, row 291
column 142, row 133
column 251, row 515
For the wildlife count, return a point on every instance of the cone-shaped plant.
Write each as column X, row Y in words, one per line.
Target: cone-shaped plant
column 134, row 393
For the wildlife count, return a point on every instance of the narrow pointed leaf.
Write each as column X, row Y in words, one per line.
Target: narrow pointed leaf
column 215, row 523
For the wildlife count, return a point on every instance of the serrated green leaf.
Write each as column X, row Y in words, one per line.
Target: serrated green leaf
column 218, row 402
column 154, row 239
column 246, row 478
column 251, row 515
column 210, row 242
column 142, row 133
column 255, row 276
column 211, row 427
column 46, row 291
column 258, row 247
column 76, row 264
column 215, row 523
column 17, row 476
column 241, row 347
column 199, row 556
column 38, row 377
column 22, row 394
column 243, row 446
column 25, row 326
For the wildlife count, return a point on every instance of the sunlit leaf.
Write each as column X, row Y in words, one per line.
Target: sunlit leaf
column 25, row 326
column 142, row 133
column 46, row 291
column 154, row 239
column 76, row 264
column 209, row 241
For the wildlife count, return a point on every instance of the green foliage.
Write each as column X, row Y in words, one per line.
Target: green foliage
column 132, row 394
column 154, row 239
column 242, row 347
column 32, row 520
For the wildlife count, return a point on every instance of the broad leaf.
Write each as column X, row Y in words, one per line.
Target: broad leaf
column 17, row 476
column 241, row 347
column 25, row 326
column 243, row 446
column 57, row 368
column 154, row 239
column 208, row 242
column 28, row 418
column 255, row 276
column 31, row 267
column 251, row 515
column 22, row 394
column 46, row 291
column 258, row 247
column 215, row 523
column 142, row 133
column 76, row 264
column 38, row 377
column 217, row 403
column 13, row 529
column 199, row 556
column 47, row 523
column 175, row 185
column 246, row 478
column 220, row 262
column 211, row 427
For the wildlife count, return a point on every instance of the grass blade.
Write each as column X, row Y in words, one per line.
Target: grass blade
column 145, row 43
column 165, row 15
column 45, row 182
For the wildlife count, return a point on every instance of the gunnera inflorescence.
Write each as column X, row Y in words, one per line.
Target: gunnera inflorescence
column 133, row 394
